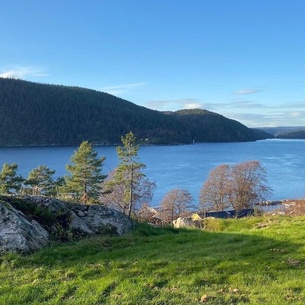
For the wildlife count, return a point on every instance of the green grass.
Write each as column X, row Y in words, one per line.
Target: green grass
column 240, row 261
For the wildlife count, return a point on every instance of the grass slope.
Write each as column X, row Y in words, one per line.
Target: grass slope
column 246, row 261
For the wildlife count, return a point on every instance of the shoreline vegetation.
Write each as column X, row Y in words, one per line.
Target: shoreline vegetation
column 218, row 184
column 142, row 143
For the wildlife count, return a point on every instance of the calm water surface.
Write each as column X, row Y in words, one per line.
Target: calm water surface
column 186, row 166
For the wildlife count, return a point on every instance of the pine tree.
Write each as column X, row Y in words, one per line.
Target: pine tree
column 9, row 181
column 41, row 181
column 128, row 185
column 86, row 174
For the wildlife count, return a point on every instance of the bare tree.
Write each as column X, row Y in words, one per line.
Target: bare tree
column 175, row 204
column 239, row 186
column 248, row 185
column 147, row 214
column 215, row 191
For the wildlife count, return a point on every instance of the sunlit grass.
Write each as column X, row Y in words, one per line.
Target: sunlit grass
column 241, row 261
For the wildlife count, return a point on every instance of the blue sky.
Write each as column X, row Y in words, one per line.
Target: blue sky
column 244, row 59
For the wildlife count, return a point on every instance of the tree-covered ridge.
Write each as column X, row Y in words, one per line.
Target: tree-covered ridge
column 207, row 126
column 42, row 114
column 280, row 130
column 298, row 134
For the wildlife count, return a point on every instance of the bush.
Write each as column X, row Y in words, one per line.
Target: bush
column 295, row 208
column 213, row 224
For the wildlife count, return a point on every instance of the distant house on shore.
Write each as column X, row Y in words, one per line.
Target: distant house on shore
column 228, row 214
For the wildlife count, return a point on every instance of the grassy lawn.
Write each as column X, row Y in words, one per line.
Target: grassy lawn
column 259, row 260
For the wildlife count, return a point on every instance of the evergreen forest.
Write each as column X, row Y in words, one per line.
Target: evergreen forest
column 43, row 114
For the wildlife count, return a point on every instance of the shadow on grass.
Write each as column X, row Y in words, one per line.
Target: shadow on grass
column 161, row 246
column 163, row 266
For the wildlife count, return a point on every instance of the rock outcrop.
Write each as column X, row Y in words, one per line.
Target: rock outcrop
column 188, row 222
column 181, row 222
column 29, row 223
column 19, row 234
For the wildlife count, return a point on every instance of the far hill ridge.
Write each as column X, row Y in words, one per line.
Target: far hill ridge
column 42, row 114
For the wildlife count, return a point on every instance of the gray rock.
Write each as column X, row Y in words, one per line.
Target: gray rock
column 102, row 219
column 17, row 233
column 87, row 219
column 183, row 223
column 77, row 224
column 80, row 213
column 52, row 204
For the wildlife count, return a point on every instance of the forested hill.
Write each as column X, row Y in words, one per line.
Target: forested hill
column 41, row 114
column 215, row 127
column 298, row 134
column 281, row 130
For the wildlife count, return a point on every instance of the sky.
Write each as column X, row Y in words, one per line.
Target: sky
column 244, row 59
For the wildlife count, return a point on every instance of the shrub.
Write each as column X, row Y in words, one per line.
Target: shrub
column 213, row 224
column 295, row 208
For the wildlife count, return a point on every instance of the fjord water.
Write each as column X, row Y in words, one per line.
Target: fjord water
column 185, row 166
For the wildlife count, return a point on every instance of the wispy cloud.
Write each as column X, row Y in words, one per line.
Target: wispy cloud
column 247, row 91
column 235, row 105
column 23, row 72
column 269, row 119
column 192, row 105
column 120, row 89
column 253, row 105
column 175, row 104
column 258, row 120
column 300, row 105
column 297, row 114
column 251, row 113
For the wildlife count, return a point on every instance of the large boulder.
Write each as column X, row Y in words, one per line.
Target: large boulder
column 188, row 222
column 85, row 218
column 18, row 233
column 34, row 220
column 68, row 215
column 182, row 222
column 100, row 218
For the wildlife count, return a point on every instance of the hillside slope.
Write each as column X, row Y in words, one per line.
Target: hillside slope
column 280, row 130
column 212, row 127
column 298, row 134
column 257, row 260
column 41, row 114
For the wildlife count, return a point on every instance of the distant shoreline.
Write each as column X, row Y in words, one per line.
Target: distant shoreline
column 143, row 144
